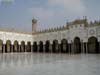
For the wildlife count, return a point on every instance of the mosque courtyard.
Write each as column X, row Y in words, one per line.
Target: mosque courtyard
column 49, row 64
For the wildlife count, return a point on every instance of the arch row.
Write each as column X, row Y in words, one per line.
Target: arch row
column 8, row 47
column 77, row 46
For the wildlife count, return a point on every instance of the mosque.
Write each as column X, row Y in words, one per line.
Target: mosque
column 78, row 36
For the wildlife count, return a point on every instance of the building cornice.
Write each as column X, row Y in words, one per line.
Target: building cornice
column 51, row 30
column 14, row 31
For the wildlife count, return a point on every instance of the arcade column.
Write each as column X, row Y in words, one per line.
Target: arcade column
column 72, row 48
column 4, row 46
column 38, row 47
column 25, row 49
column 57, row 48
column 44, row 49
column 50, row 48
column 86, row 47
column 12, row 48
column 69, row 48
column 31, row 48
column 19, row 48
column 65, row 48
column 82, row 47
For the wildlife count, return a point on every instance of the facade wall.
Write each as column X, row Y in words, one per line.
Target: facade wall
column 69, row 34
column 15, row 36
column 58, row 35
column 84, row 33
column 76, row 39
column 94, row 31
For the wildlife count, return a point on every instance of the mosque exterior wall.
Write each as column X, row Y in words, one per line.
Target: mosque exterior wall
column 75, row 37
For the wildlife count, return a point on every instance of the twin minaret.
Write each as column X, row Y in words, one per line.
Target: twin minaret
column 34, row 25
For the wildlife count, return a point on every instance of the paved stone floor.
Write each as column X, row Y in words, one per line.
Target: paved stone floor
column 49, row 64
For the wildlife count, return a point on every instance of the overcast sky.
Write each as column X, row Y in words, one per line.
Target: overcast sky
column 50, row 13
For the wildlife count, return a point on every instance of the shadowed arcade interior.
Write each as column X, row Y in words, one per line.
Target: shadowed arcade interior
column 41, row 46
column 16, row 46
column 28, row 47
column 35, row 47
column 8, row 46
column 64, row 46
column 77, row 45
column 93, row 45
column 47, row 46
column 55, row 46
column 22, row 49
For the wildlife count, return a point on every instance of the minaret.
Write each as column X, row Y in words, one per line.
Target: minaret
column 34, row 25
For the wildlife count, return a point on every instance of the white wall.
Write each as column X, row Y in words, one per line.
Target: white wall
column 74, row 31
column 12, row 36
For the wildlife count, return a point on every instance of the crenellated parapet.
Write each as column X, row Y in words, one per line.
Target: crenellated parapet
column 78, row 22
column 94, row 23
column 52, row 29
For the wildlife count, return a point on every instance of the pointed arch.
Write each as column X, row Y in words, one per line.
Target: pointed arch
column 93, row 45
column 16, row 46
column 8, row 46
column 22, row 46
column 77, row 45
column 64, row 46
column 55, row 46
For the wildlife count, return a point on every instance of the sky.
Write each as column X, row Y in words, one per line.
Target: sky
column 18, row 14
